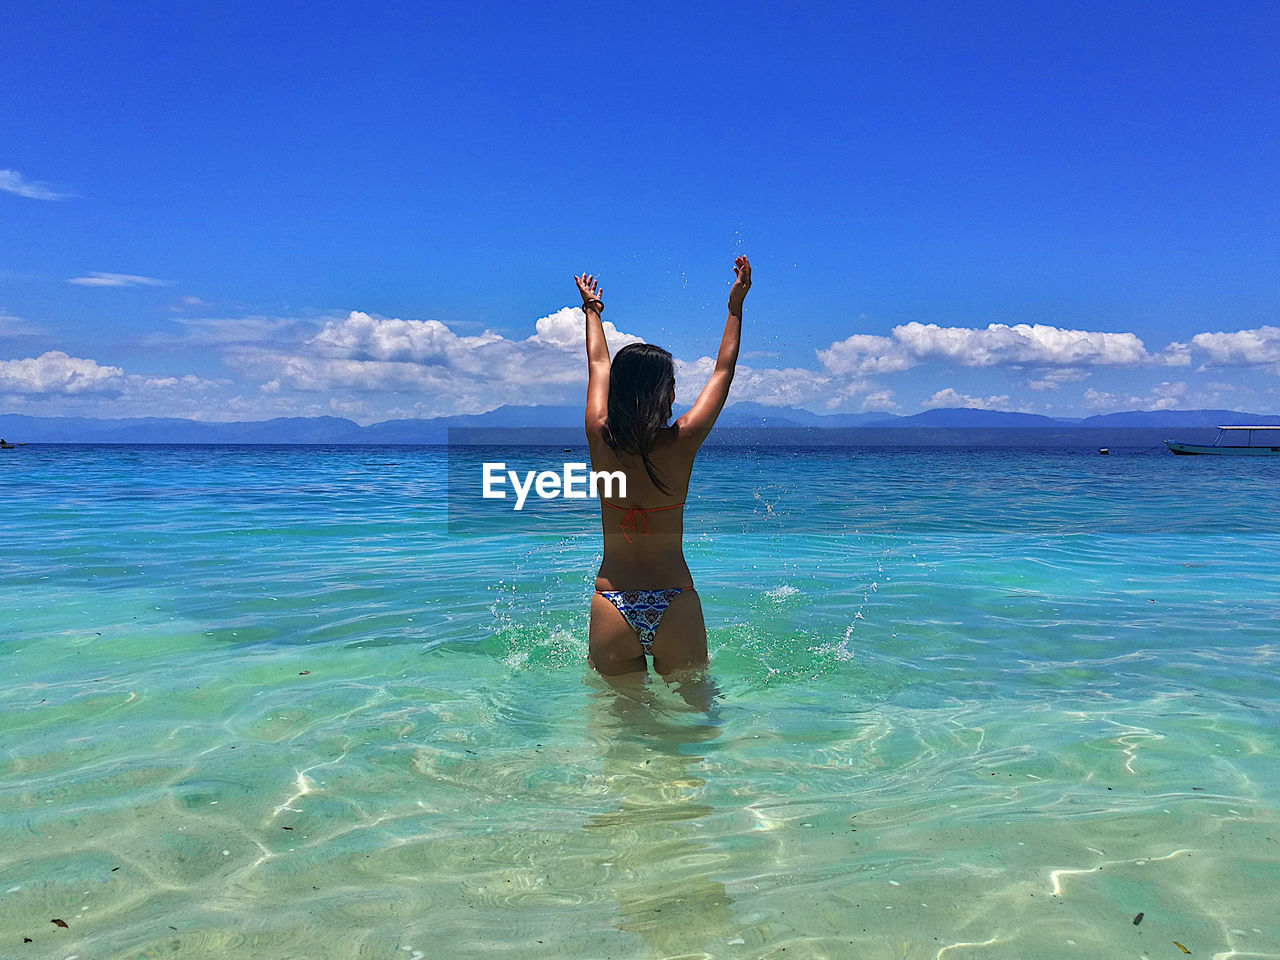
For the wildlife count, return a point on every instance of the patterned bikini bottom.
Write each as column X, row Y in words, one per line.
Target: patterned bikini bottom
column 643, row 609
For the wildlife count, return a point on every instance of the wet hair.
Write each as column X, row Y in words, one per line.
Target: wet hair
column 642, row 380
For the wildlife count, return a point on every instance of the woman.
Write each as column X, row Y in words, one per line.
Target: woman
column 645, row 602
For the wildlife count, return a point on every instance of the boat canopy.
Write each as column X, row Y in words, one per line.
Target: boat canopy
column 1250, row 428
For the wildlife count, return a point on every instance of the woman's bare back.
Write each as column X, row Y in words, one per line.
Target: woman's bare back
column 644, row 530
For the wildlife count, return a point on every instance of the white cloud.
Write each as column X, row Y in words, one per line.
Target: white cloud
column 11, row 326
column 11, row 181
column 1247, row 348
column 949, row 397
column 789, row 387
column 865, row 353
column 879, row 400
column 1002, row 345
column 1167, row 396
column 567, row 329
column 1174, row 355
column 1040, row 345
column 187, row 303
column 837, row 393
column 1163, row 396
column 58, row 379
column 692, row 376
column 1221, row 386
column 1052, row 379
column 257, row 332
column 998, row 344
column 452, row 373
column 55, row 372
column 115, row 280
column 360, row 337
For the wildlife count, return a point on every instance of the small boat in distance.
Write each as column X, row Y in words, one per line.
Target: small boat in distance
column 1269, row 445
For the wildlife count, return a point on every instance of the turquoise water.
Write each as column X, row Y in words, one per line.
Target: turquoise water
column 270, row 702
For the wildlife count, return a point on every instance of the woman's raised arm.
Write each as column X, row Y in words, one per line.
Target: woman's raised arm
column 597, row 355
column 697, row 423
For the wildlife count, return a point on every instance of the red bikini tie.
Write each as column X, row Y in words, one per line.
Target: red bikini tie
column 629, row 520
column 629, row 517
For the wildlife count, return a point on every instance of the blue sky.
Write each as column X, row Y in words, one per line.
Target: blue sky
column 244, row 211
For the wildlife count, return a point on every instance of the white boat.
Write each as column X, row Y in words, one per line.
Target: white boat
column 1267, row 443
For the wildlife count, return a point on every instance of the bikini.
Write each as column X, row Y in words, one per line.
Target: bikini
column 642, row 609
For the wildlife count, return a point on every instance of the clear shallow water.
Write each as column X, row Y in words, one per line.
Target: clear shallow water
column 965, row 703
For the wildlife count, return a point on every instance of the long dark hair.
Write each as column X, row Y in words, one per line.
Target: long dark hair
column 641, row 381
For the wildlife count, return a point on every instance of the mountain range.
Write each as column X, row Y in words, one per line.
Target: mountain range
column 17, row 428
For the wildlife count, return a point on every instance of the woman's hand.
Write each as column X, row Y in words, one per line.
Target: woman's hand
column 597, row 357
column 590, row 291
column 738, row 293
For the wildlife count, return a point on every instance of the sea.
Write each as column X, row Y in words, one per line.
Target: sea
column 326, row 702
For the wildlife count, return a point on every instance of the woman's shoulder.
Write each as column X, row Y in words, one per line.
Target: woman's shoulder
column 678, row 443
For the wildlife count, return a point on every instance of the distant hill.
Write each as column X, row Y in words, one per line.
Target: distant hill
column 749, row 414
column 969, row 417
column 436, row 429
column 18, row 428
column 1179, row 418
